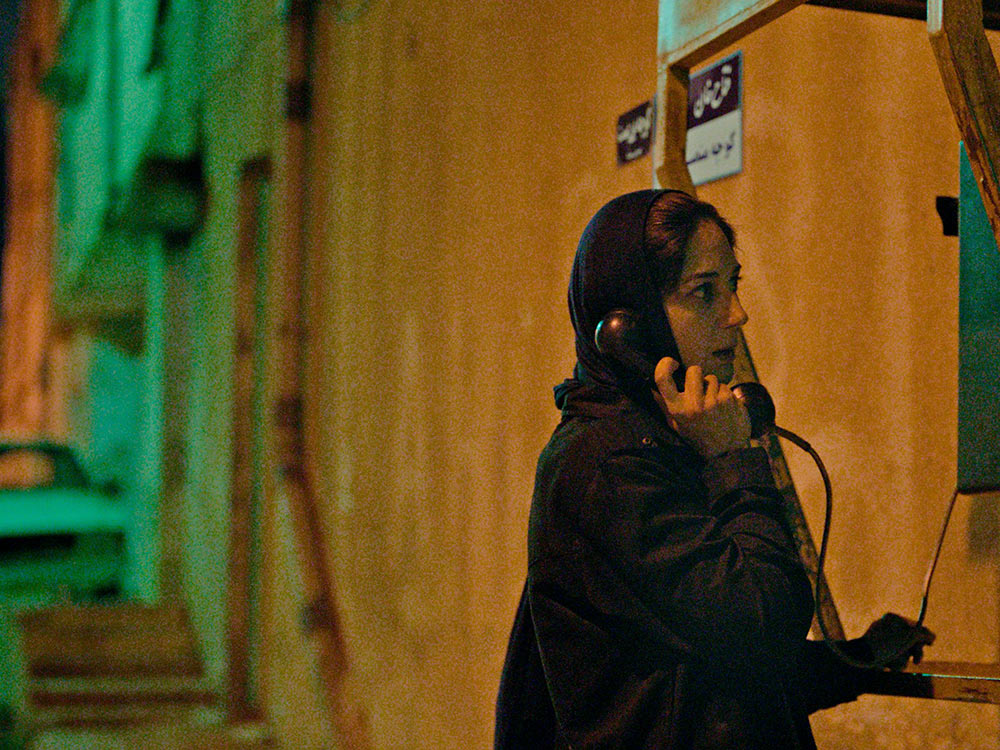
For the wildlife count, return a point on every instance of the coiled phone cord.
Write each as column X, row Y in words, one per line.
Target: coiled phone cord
column 843, row 655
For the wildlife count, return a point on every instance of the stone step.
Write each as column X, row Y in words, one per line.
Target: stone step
column 110, row 716
column 173, row 687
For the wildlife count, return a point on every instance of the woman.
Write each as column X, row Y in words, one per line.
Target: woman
column 665, row 604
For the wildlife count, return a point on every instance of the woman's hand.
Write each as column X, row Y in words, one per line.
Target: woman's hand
column 705, row 413
column 893, row 639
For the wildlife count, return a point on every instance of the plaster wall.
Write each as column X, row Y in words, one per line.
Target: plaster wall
column 458, row 150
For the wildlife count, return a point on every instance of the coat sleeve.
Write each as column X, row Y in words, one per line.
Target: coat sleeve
column 821, row 680
column 721, row 573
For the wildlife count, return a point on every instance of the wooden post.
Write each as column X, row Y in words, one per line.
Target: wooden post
column 673, row 172
column 25, row 331
column 690, row 42
column 321, row 615
column 244, row 560
column 972, row 82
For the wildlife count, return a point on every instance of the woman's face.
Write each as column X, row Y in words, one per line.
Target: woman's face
column 704, row 310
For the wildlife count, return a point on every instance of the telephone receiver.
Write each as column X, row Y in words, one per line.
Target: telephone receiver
column 619, row 335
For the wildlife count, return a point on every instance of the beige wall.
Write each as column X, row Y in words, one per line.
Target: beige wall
column 458, row 151
column 460, row 148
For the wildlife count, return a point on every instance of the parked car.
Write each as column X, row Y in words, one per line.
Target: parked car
column 62, row 538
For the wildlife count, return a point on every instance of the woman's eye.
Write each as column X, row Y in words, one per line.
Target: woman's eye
column 704, row 292
column 735, row 282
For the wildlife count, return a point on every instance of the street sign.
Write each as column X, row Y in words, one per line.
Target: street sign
column 715, row 121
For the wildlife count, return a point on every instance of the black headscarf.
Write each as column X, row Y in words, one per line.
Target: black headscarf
column 612, row 270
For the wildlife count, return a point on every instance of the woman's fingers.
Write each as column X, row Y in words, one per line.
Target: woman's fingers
column 694, row 388
column 705, row 413
column 893, row 639
column 711, row 390
column 663, row 376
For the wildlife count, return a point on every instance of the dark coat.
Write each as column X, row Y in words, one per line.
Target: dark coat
column 665, row 604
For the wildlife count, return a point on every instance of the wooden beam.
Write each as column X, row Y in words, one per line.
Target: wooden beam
column 915, row 9
column 691, row 31
column 26, row 300
column 672, row 100
column 747, row 372
column 321, row 617
column 972, row 82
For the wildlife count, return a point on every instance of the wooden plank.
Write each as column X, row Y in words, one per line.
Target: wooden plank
column 691, row 31
column 972, row 82
column 745, row 371
column 953, row 681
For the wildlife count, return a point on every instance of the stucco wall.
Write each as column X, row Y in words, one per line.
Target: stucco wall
column 459, row 150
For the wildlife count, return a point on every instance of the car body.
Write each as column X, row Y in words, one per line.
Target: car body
column 61, row 536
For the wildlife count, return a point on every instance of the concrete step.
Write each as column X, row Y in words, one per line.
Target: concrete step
column 168, row 736
column 117, row 702
column 131, row 640
column 181, row 688
column 122, row 665
column 119, row 716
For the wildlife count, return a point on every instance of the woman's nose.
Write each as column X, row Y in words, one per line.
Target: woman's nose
column 737, row 316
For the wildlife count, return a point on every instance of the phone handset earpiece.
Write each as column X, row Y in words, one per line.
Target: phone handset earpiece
column 620, row 336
